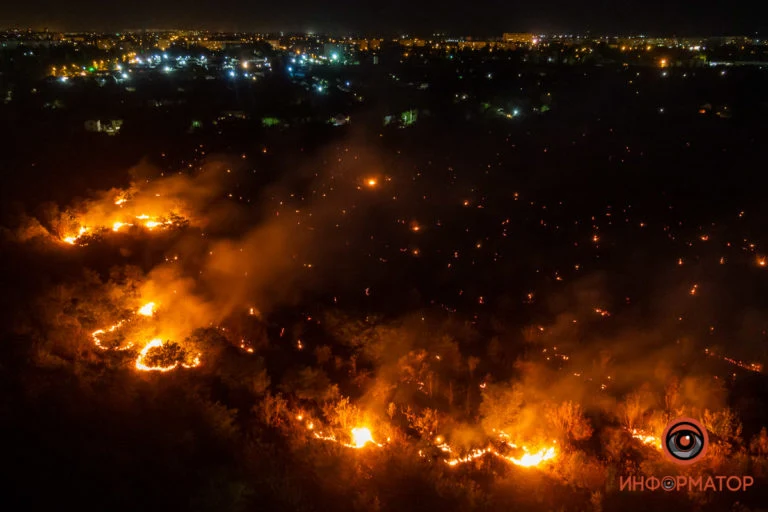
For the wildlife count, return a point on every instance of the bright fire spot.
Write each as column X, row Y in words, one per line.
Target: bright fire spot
column 117, row 225
column 693, row 290
column 761, row 261
column 120, row 201
column 71, row 239
column 147, row 309
column 151, row 224
column 371, row 182
column 646, row 438
column 361, row 436
column 533, row 459
column 155, row 343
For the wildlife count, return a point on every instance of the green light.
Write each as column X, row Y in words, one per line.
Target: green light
column 91, row 69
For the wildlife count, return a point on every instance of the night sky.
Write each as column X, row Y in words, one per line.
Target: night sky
column 483, row 17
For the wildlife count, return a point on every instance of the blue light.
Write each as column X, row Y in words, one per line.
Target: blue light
column 232, row 74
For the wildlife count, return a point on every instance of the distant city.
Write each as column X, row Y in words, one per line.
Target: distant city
column 126, row 52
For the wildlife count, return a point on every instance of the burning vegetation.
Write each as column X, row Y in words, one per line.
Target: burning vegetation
column 288, row 355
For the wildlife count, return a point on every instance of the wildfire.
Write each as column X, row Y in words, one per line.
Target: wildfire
column 533, row 459
column 71, row 239
column 96, row 335
column 147, row 309
column 528, row 459
column 474, row 454
column 116, row 223
column 361, row 436
column 646, row 438
column 140, row 365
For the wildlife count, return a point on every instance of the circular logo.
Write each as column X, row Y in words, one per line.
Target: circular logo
column 684, row 441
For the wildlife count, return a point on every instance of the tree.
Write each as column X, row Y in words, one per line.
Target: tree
column 273, row 409
column 501, row 406
column 569, row 419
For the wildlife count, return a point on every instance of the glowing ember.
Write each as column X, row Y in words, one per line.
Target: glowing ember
column 752, row 367
column 371, row 182
column 147, row 309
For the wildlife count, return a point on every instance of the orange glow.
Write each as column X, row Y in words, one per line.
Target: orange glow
column 96, row 335
column 147, row 309
column 361, row 436
column 117, row 225
column 646, row 438
column 528, row 460
column 71, row 239
column 371, row 182
column 761, row 261
column 140, row 365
